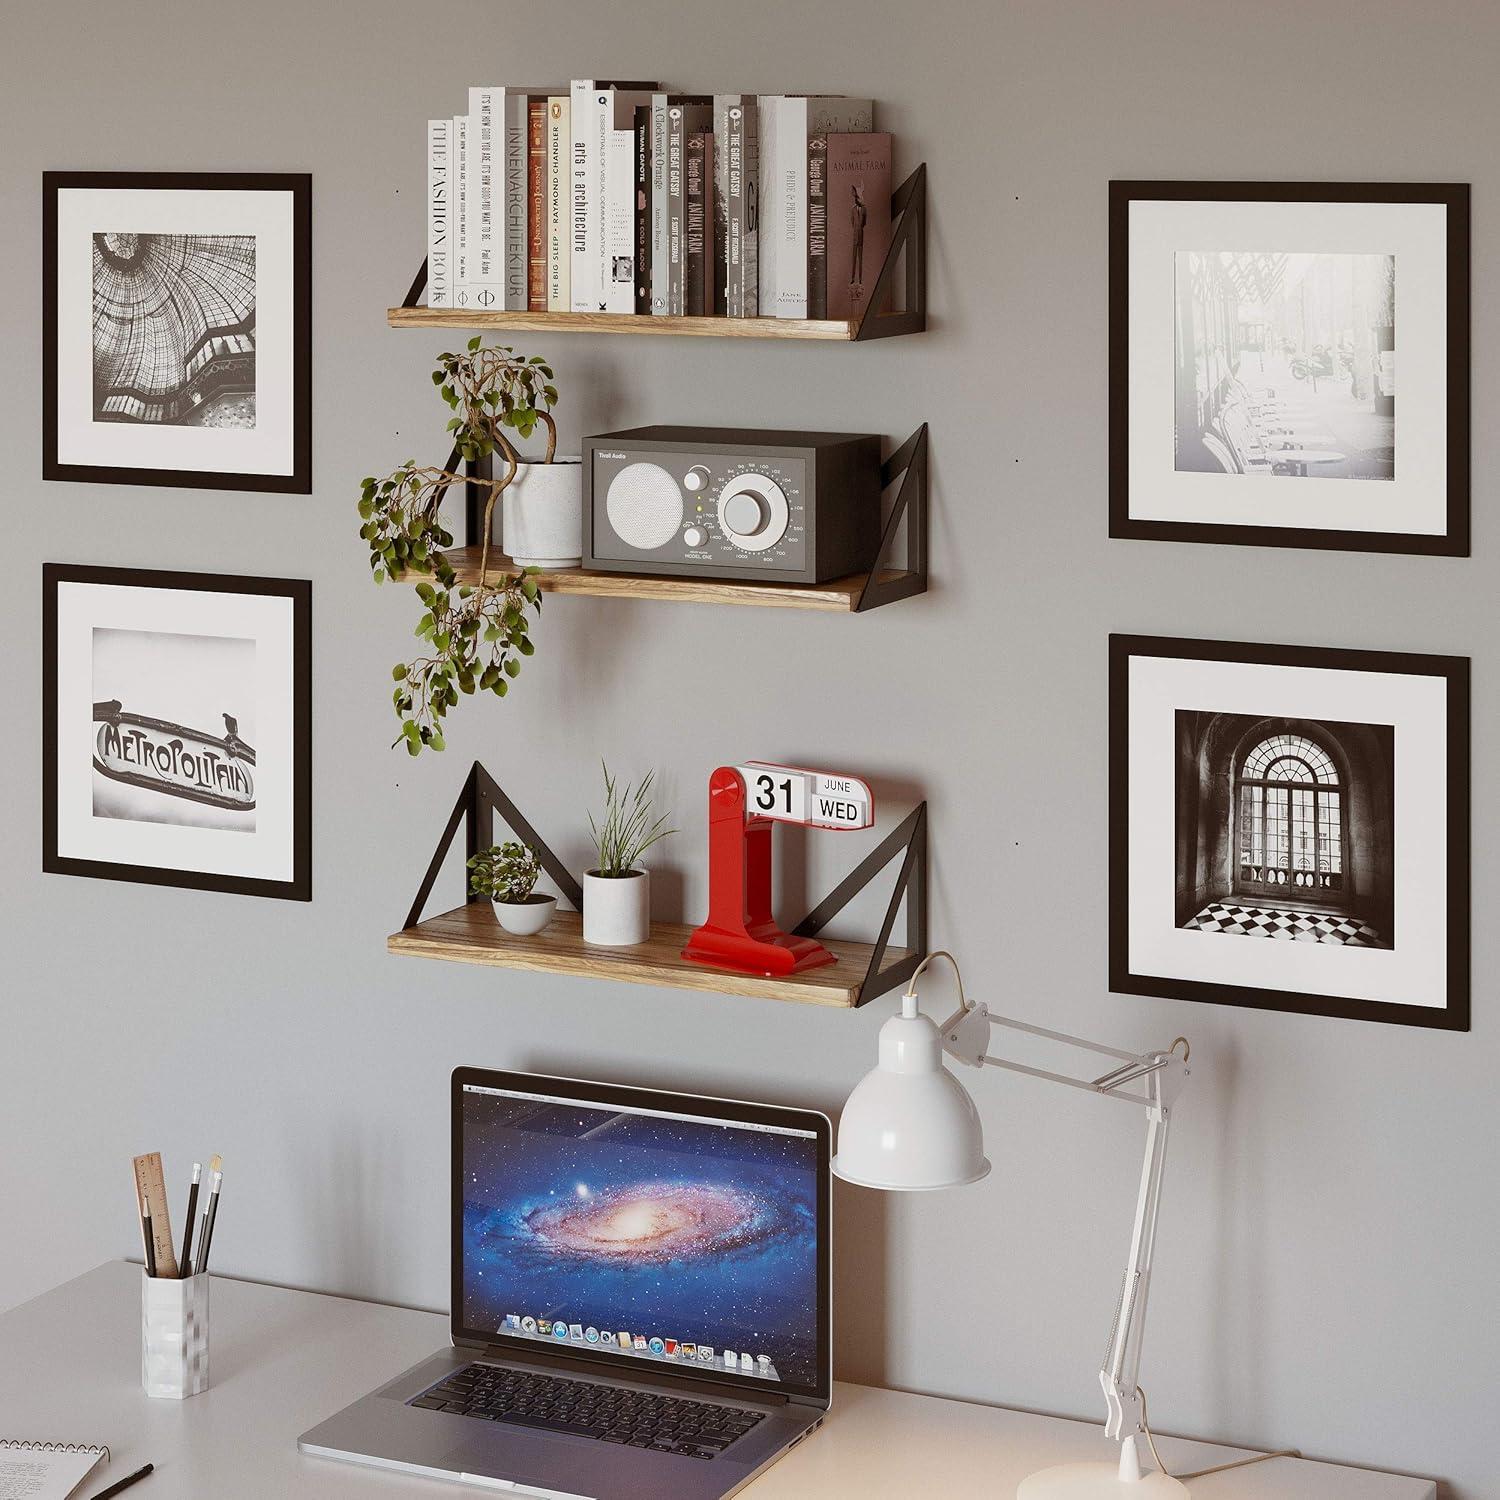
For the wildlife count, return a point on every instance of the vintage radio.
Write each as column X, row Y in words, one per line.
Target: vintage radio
column 712, row 502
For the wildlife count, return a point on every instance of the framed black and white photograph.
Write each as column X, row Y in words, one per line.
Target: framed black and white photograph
column 177, row 329
column 177, row 736
column 1289, row 364
column 1289, row 828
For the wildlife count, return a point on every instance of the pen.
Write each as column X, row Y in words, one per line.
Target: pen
column 125, row 1483
column 187, row 1233
column 205, row 1239
column 148, row 1238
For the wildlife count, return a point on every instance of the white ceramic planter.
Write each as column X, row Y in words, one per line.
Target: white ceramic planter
column 541, row 514
column 617, row 909
column 525, row 918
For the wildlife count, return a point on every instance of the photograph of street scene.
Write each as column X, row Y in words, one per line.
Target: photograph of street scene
column 1285, row 364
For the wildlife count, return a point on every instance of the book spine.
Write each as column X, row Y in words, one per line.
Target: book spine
column 582, row 251
column 723, row 103
column 643, row 208
column 599, row 215
column 536, row 204
column 461, row 210
column 559, row 261
column 770, row 199
column 516, row 239
column 439, row 216
column 619, row 222
column 817, row 227
column 742, row 169
column 658, row 203
column 698, row 216
column 791, row 210
column 676, row 144
column 484, row 116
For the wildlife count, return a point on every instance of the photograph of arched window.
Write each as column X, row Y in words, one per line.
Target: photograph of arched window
column 1285, row 828
column 1289, row 828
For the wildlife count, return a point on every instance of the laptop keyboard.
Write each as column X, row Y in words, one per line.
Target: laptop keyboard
column 582, row 1408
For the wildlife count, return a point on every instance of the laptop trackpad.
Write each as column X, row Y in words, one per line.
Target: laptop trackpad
column 477, row 1462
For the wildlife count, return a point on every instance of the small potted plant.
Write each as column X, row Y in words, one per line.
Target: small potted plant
column 476, row 634
column 616, row 892
column 508, row 875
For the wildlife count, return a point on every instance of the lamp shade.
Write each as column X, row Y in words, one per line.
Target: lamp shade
column 910, row 1125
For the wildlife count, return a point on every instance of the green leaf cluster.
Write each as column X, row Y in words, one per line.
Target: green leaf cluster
column 506, row 873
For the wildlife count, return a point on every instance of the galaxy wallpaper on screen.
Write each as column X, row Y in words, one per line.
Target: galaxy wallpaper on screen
column 672, row 1230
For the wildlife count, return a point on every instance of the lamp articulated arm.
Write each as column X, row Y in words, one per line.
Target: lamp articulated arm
column 1151, row 1080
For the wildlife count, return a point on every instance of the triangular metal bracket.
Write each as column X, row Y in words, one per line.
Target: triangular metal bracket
column 911, row 884
column 909, row 464
column 909, row 210
column 478, row 803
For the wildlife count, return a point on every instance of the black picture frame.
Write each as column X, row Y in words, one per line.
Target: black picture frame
column 299, row 186
column 1455, row 540
column 299, row 592
column 1455, row 670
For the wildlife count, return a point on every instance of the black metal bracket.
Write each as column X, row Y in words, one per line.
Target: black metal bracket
column 909, row 839
column 908, row 464
column 909, row 234
column 908, row 238
column 478, row 803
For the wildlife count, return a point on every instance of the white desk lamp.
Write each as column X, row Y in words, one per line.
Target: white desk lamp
column 910, row 1125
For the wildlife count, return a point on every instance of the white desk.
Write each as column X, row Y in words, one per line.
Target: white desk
column 282, row 1360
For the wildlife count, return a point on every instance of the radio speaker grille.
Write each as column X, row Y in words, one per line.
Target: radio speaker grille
column 644, row 505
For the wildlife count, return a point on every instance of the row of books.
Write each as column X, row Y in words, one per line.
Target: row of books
column 621, row 198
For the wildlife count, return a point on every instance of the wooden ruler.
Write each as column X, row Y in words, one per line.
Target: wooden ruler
column 150, row 1185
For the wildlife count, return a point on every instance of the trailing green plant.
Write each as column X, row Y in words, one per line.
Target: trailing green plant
column 479, row 632
column 627, row 828
column 507, row 873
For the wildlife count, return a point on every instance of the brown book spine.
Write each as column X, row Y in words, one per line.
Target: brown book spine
column 536, row 197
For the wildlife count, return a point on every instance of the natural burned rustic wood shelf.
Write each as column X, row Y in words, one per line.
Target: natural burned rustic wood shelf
column 828, row 330
column 905, row 263
column 841, row 595
column 471, row 935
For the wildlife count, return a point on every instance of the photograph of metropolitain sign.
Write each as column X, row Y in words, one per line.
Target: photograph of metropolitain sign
column 177, row 744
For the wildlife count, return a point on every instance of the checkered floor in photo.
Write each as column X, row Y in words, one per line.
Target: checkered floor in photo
column 1289, row 926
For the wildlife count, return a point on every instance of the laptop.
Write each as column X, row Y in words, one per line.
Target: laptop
column 641, row 1297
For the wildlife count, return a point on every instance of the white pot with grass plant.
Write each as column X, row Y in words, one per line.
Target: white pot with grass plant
column 507, row 875
column 617, row 891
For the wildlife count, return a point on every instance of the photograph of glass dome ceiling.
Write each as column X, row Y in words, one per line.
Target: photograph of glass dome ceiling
column 174, row 329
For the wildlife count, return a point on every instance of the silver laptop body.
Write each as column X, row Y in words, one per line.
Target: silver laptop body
column 576, row 1204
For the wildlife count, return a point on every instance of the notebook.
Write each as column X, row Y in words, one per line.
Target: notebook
column 45, row 1471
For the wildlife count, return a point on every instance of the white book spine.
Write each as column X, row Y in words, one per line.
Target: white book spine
column 619, row 222
column 599, row 150
column 461, row 269
column 658, row 203
column 484, row 125
column 583, row 251
column 770, row 200
column 516, row 241
column 559, row 146
column 791, row 210
column 439, row 213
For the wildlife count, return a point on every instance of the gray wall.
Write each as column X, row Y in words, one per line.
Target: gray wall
column 1326, row 1261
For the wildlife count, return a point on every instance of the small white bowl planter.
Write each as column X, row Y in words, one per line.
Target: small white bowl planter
column 525, row 918
column 617, row 908
column 541, row 514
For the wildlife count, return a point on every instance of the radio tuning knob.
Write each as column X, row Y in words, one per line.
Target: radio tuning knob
column 695, row 478
column 694, row 536
column 745, row 513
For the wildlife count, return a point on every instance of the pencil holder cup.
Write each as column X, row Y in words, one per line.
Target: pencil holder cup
column 174, row 1336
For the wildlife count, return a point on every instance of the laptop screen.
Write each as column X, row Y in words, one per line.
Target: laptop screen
column 681, row 1233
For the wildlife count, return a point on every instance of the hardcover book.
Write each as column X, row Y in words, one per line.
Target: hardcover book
column 619, row 222
column 742, row 180
column 460, row 210
column 723, row 103
column 683, row 120
column 859, row 219
column 643, row 207
column 485, row 115
column 788, row 123
column 817, row 227
column 536, row 202
column 697, row 256
column 559, row 260
column 439, row 218
column 517, row 238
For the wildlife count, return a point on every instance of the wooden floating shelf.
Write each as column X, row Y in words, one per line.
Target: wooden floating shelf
column 840, row 595
column 471, row 935
column 828, row 330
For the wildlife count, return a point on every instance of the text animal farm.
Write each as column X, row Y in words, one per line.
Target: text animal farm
column 172, row 759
